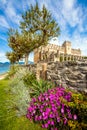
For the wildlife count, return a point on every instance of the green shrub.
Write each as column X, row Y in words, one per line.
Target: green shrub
column 24, row 86
column 29, row 78
column 61, row 58
column 79, row 105
column 38, row 87
column 13, row 70
column 20, row 92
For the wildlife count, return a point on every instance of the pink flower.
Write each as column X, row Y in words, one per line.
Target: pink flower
column 58, row 119
column 65, row 121
column 62, row 110
column 55, row 128
column 49, row 122
column 46, row 125
column 50, row 110
column 75, row 117
column 52, row 122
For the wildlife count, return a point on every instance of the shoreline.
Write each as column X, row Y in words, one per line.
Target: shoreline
column 2, row 76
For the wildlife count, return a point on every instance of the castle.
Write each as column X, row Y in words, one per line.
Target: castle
column 54, row 53
column 47, row 65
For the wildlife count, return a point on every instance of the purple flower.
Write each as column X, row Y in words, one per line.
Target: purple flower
column 49, row 122
column 52, row 122
column 55, row 128
column 75, row 117
column 51, row 115
column 70, row 116
column 65, row 121
column 36, row 118
column 45, row 117
column 34, row 99
column 49, row 108
column 46, row 125
column 58, row 119
column 62, row 110
column 43, row 126
column 28, row 116
column 40, row 117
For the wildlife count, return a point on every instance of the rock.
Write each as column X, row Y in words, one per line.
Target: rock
column 72, row 74
column 83, row 68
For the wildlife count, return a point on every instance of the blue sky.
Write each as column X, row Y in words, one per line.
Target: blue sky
column 71, row 16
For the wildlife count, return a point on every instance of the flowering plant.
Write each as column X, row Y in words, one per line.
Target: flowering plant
column 51, row 109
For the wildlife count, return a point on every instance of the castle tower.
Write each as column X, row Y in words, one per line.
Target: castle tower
column 67, row 46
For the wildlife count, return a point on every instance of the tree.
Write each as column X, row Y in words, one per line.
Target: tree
column 14, row 42
column 13, row 57
column 19, row 44
column 39, row 26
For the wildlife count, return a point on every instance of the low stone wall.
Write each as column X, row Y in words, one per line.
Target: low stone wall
column 30, row 67
column 68, row 74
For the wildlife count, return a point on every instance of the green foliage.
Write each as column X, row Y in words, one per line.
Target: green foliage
column 40, row 23
column 29, row 78
column 37, row 28
column 14, row 40
column 20, row 92
column 61, row 58
column 13, row 57
column 8, row 119
column 36, row 86
column 13, row 70
column 79, row 105
column 85, row 57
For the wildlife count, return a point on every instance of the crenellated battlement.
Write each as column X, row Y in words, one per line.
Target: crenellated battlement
column 52, row 52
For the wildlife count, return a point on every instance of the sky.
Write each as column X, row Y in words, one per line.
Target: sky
column 71, row 15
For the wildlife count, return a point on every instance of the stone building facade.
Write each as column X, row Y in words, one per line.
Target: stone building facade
column 54, row 53
column 47, row 66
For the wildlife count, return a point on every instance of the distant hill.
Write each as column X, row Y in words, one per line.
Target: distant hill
column 8, row 63
column 4, row 64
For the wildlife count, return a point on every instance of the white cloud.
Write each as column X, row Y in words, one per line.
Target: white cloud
column 79, row 41
column 3, row 22
column 68, row 5
column 69, row 14
column 54, row 40
column 3, row 57
column 72, row 13
column 11, row 13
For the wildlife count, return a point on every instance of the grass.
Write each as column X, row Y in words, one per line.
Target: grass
column 8, row 118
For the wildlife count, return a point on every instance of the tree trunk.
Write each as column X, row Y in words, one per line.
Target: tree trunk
column 26, row 59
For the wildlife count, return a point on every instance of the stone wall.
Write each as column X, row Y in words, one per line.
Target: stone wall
column 31, row 67
column 69, row 74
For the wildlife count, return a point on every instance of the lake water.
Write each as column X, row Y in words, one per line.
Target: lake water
column 4, row 68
